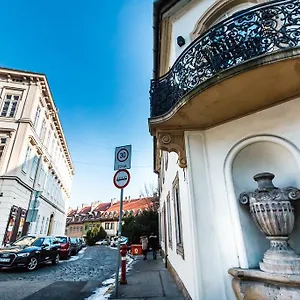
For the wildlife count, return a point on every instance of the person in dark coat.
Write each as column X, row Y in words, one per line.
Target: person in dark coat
column 153, row 243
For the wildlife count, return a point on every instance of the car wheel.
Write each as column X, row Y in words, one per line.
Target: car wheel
column 55, row 261
column 32, row 263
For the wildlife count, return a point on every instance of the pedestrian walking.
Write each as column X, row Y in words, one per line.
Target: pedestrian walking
column 153, row 243
column 144, row 241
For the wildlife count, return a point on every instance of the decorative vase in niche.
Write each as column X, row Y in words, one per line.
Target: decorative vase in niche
column 273, row 213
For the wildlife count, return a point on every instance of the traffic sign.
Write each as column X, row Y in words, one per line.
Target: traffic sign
column 123, row 158
column 121, row 179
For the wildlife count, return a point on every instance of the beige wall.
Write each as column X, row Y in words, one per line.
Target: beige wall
column 53, row 174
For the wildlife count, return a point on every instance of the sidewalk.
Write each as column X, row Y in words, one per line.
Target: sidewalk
column 149, row 280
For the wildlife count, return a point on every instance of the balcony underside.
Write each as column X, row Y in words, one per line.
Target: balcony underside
column 246, row 88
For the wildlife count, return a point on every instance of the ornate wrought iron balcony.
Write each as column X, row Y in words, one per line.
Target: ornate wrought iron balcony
column 255, row 32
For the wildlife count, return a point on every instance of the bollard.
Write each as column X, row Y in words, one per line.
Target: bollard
column 123, row 253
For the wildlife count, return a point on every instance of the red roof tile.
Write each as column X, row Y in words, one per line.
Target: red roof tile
column 102, row 206
column 85, row 210
column 134, row 204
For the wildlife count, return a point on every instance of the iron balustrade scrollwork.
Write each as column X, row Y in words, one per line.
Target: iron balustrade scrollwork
column 254, row 32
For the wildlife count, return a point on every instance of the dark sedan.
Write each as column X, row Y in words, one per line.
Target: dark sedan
column 29, row 252
column 75, row 246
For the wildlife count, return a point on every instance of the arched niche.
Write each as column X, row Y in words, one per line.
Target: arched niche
column 220, row 10
column 247, row 158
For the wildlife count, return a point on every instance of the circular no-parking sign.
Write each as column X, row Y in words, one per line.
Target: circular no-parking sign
column 121, row 179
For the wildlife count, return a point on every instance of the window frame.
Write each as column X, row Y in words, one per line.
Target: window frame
column 34, row 167
column 4, row 145
column 178, row 217
column 169, row 221
column 10, row 105
column 27, row 157
column 37, row 117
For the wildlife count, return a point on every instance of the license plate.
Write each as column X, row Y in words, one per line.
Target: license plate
column 4, row 259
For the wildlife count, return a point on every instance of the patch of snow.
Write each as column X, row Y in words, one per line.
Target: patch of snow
column 115, row 248
column 99, row 294
column 76, row 257
column 109, row 281
column 104, row 291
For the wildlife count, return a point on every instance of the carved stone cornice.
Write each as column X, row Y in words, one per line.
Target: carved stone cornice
column 173, row 141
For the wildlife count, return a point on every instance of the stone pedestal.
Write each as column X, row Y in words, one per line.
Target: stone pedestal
column 257, row 285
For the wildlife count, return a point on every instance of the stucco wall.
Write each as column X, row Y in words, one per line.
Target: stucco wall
column 184, row 266
column 219, row 170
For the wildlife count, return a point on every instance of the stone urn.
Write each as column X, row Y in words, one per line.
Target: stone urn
column 273, row 213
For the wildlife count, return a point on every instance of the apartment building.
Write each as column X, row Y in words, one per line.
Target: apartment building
column 34, row 157
column 224, row 104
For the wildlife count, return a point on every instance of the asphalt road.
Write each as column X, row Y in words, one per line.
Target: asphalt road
column 75, row 278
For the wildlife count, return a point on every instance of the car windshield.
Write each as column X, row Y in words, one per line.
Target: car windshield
column 38, row 242
column 24, row 241
column 62, row 239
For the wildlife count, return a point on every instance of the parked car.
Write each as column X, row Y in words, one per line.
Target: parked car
column 75, row 246
column 83, row 243
column 30, row 251
column 103, row 243
column 114, row 241
column 80, row 244
column 65, row 246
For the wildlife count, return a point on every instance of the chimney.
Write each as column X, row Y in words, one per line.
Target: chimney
column 125, row 198
column 113, row 201
column 129, row 198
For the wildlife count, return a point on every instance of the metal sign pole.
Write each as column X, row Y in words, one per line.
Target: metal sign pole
column 118, row 249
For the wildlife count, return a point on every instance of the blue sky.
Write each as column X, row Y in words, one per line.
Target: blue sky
column 98, row 61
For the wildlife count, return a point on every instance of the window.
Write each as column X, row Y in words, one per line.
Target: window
column 48, row 139
column 86, row 227
column 2, row 145
column 47, row 241
column 112, row 225
column 10, row 105
column 52, row 146
column 81, row 227
column 43, row 131
column 41, row 177
column 169, row 220
column 46, row 181
column 37, row 224
column 36, row 117
column 106, row 225
column 42, row 225
column 25, row 163
column 178, row 222
column 34, row 167
column 46, row 226
column 98, row 225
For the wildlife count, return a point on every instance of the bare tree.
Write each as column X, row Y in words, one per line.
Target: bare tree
column 150, row 191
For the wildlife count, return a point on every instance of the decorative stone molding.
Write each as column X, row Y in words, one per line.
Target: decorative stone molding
column 214, row 12
column 39, row 150
column 173, row 141
column 32, row 140
column 273, row 213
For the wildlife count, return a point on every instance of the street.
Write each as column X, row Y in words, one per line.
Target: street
column 75, row 278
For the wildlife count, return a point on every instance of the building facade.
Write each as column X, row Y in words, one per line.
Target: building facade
column 33, row 157
column 106, row 215
column 224, row 106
